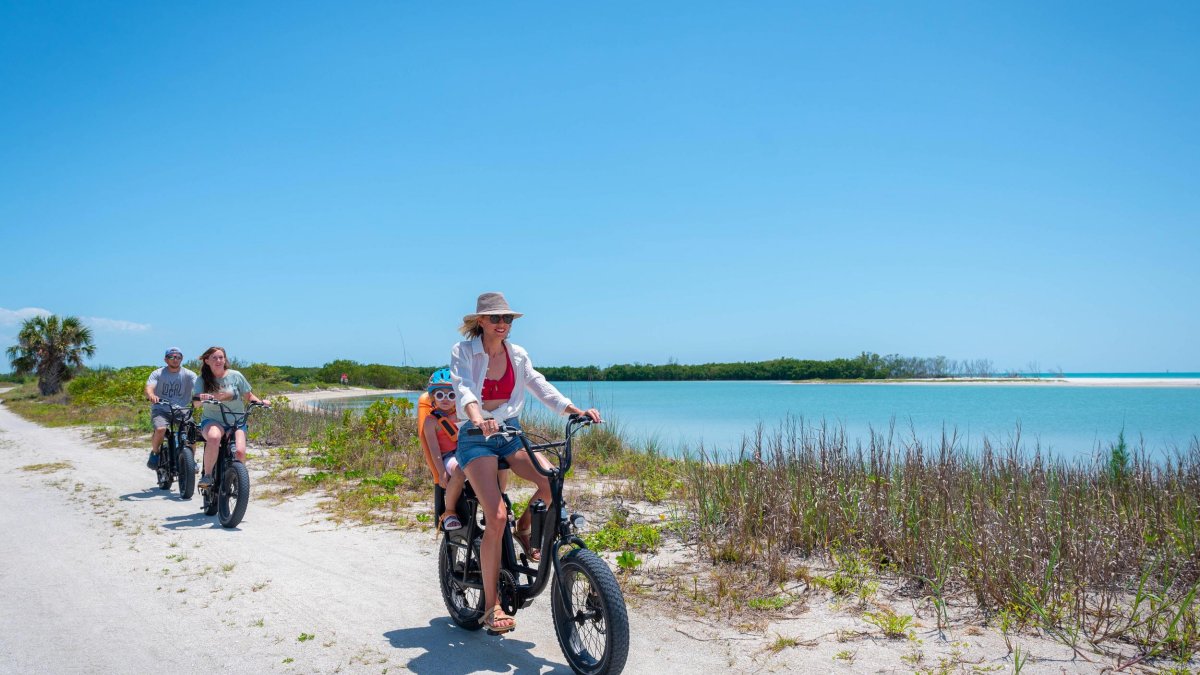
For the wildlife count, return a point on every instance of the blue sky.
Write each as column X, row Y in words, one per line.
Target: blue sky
column 646, row 181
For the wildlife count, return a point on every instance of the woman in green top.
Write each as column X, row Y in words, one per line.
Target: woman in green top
column 218, row 383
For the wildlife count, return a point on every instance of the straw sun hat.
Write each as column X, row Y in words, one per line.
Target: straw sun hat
column 491, row 303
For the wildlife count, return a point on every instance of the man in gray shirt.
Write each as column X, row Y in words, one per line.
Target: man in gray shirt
column 172, row 383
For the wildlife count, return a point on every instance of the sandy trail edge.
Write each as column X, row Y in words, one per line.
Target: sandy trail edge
column 308, row 399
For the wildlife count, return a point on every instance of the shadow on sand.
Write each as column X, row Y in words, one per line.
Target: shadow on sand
column 450, row 650
column 196, row 521
column 152, row 493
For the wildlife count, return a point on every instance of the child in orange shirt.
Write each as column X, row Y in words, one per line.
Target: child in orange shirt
column 440, row 434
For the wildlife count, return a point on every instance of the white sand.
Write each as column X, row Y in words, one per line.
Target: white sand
column 307, row 399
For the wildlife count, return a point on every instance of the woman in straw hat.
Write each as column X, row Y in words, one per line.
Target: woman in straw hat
column 491, row 376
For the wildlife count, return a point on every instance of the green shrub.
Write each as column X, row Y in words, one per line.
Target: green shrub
column 614, row 537
column 107, row 386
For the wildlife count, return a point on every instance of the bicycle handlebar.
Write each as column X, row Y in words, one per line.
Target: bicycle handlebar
column 176, row 410
column 238, row 418
column 574, row 423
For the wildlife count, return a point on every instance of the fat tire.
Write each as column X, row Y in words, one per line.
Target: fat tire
column 582, row 565
column 234, row 483
column 457, row 603
column 187, row 473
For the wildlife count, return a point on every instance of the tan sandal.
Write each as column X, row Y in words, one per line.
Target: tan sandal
column 490, row 619
column 523, row 537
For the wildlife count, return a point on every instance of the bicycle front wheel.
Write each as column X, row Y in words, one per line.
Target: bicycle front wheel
column 590, row 620
column 187, row 473
column 233, row 494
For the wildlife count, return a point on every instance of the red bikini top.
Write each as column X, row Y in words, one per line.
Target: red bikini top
column 503, row 388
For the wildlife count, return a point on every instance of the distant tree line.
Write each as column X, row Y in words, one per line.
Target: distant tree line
column 865, row 366
column 359, row 374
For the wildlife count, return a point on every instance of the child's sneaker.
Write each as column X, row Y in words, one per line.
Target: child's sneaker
column 206, row 481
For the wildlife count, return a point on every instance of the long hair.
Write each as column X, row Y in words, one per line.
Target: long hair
column 206, row 373
column 470, row 327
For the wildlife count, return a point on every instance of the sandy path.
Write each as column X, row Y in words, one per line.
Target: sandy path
column 101, row 572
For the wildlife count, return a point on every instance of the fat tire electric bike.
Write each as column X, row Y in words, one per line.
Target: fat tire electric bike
column 176, row 453
column 587, row 606
column 229, row 494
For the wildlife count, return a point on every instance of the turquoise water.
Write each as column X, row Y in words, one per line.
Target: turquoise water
column 1064, row 420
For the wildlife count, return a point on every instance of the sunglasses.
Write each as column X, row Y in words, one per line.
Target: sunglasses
column 175, row 357
column 440, row 395
column 497, row 318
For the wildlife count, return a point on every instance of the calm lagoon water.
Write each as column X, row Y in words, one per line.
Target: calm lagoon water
column 1067, row 421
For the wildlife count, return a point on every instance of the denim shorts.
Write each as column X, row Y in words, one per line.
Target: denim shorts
column 204, row 425
column 472, row 447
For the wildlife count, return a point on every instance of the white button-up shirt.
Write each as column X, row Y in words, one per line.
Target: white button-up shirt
column 468, row 367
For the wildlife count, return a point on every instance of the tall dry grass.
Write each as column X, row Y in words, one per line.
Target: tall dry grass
column 1094, row 551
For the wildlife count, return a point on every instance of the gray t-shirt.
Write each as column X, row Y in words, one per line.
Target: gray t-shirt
column 233, row 383
column 173, row 387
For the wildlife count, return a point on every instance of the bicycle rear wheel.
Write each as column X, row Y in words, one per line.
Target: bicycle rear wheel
column 163, row 470
column 233, row 494
column 465, row 604
column 590, row 620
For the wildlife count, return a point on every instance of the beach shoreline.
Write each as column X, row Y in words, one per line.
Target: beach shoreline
column 1123, row 382
column 308, row 400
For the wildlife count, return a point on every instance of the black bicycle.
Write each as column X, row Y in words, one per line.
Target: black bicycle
column 176, row 453
column 587, row 606
column 229, row 494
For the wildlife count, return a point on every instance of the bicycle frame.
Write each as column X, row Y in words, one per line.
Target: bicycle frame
column 555, row 535
column 229, row 431
column 179, row 422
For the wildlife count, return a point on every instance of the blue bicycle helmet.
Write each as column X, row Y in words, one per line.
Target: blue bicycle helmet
column 440, row 379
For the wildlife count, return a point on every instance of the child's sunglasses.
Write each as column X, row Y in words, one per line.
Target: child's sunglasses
column 441, row 395
column 497, row 318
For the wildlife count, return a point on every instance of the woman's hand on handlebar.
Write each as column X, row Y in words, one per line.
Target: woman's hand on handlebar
column 488, row 426
column 591, row 413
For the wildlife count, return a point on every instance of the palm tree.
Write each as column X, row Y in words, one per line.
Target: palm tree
column 53, row 348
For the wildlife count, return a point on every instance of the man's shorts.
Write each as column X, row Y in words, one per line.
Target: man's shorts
column 160, row 416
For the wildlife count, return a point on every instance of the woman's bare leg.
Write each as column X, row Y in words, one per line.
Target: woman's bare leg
column 482, row 474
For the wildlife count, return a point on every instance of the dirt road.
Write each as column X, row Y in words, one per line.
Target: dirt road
column 102, row 572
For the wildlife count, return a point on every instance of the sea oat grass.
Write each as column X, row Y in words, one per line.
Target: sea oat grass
column 1063, row 544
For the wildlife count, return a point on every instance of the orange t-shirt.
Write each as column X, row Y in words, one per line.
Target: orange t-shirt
column 446, row 441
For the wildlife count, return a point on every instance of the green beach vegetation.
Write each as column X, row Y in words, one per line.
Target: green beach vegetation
column 865, row 366
column 1100, row 555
